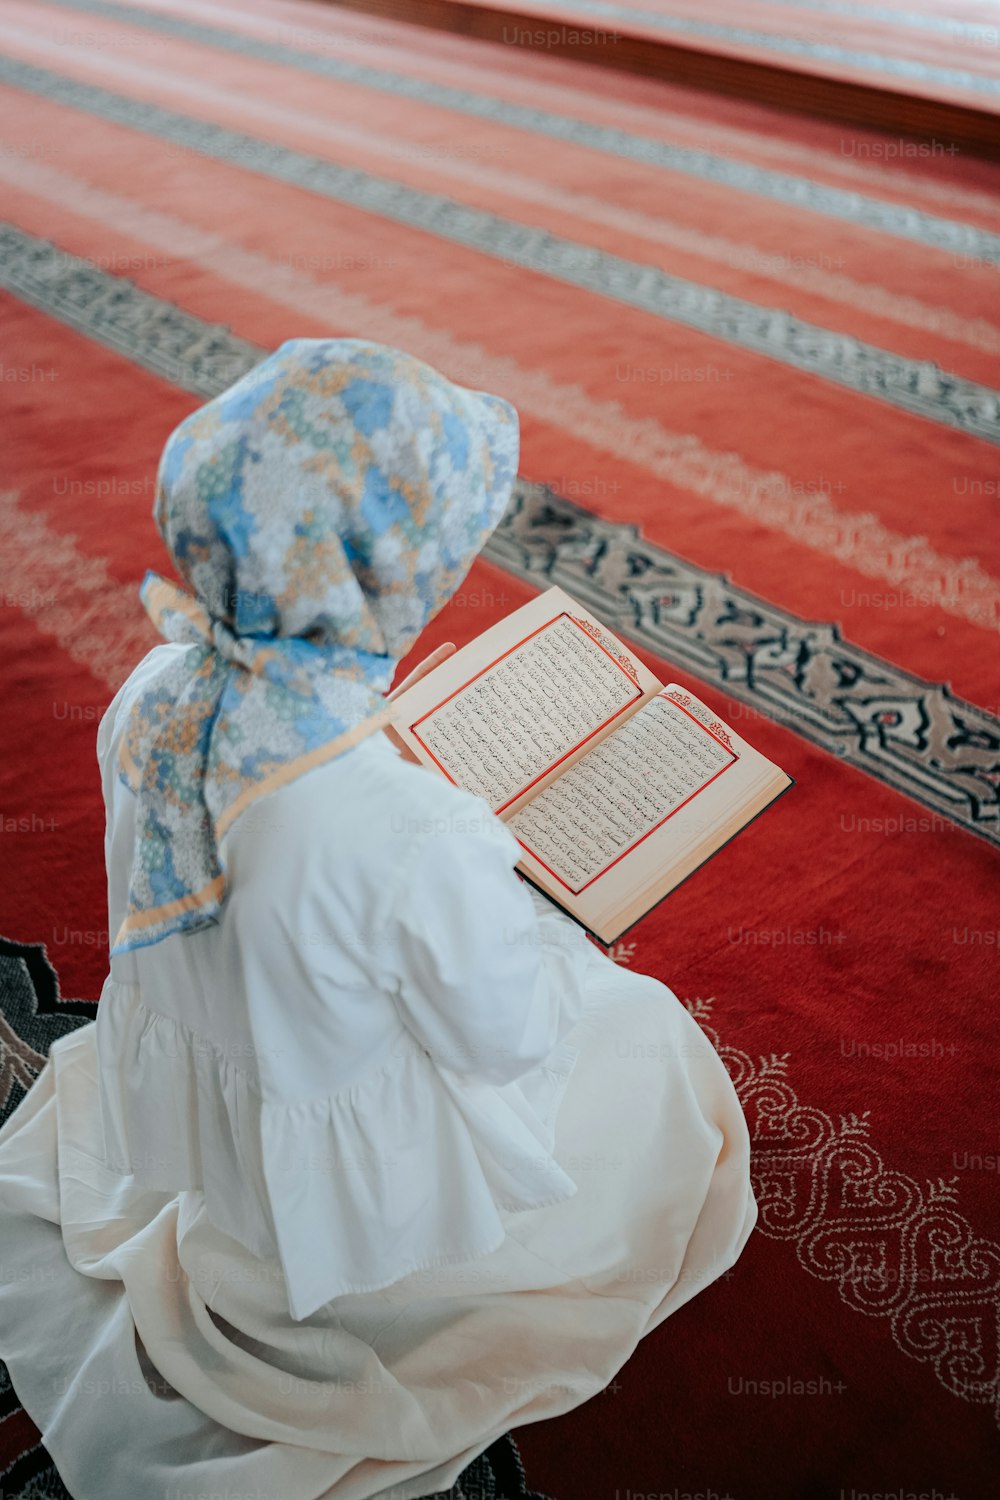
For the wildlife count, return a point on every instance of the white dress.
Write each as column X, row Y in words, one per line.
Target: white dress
column 336, row 1192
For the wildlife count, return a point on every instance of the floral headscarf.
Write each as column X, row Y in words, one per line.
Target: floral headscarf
column 321, row 511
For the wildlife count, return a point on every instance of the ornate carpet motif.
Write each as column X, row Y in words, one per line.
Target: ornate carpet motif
column 914, row 735
column 895, row 1248
column 782, row 187
column 32, row 1016
column 32, row 1474
column 912, row 385
column 199, row 357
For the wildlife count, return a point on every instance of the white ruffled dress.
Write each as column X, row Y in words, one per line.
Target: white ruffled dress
column 336, row 1192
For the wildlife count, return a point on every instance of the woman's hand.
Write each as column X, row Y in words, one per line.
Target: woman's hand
column 427, row 665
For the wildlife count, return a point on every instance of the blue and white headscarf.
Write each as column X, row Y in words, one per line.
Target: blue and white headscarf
column 321, row 511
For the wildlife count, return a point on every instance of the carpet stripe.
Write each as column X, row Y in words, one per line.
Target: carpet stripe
column 918, row 387
column 914, row 736
column 792, row 46
column 110, row 309
column 73, row 597
column 953, row 29
column 910, row 734
column 902, row 220
column 400, row 45
column 977, row 333
column 199, row 357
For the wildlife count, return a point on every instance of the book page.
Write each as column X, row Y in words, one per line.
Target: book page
column 512, row 722
column 619, row 792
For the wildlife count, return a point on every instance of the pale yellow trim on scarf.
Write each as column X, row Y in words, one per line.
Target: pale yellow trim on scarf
column 294, row 768
column 145, row 919
column 128, row 764
column 161, row 594
column 284, row 774
column 318, row 757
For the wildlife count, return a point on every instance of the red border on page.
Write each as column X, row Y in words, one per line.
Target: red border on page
column 562, row 615
column 577, row 890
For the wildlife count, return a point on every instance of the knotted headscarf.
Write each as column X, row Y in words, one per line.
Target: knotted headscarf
column 321, row 511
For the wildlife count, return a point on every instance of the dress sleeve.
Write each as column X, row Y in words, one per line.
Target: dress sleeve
column 491, row 976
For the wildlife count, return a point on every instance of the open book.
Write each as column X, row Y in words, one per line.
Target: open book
column 615, row 785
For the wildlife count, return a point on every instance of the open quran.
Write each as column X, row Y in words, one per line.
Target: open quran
column 616, row 786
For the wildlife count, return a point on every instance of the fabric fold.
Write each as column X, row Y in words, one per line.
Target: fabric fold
column 346, row 1172
column 383, row 1396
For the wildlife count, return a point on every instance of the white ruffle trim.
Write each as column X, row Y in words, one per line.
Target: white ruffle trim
column 405, row 1170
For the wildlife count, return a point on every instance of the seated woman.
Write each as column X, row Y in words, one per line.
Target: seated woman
column 370, row 1154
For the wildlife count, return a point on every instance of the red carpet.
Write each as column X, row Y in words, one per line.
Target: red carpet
column 932, row 47
column 930, row 68
column 756, row 374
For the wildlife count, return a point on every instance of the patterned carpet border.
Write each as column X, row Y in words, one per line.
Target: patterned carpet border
column 915, row 386
column 915, row 736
